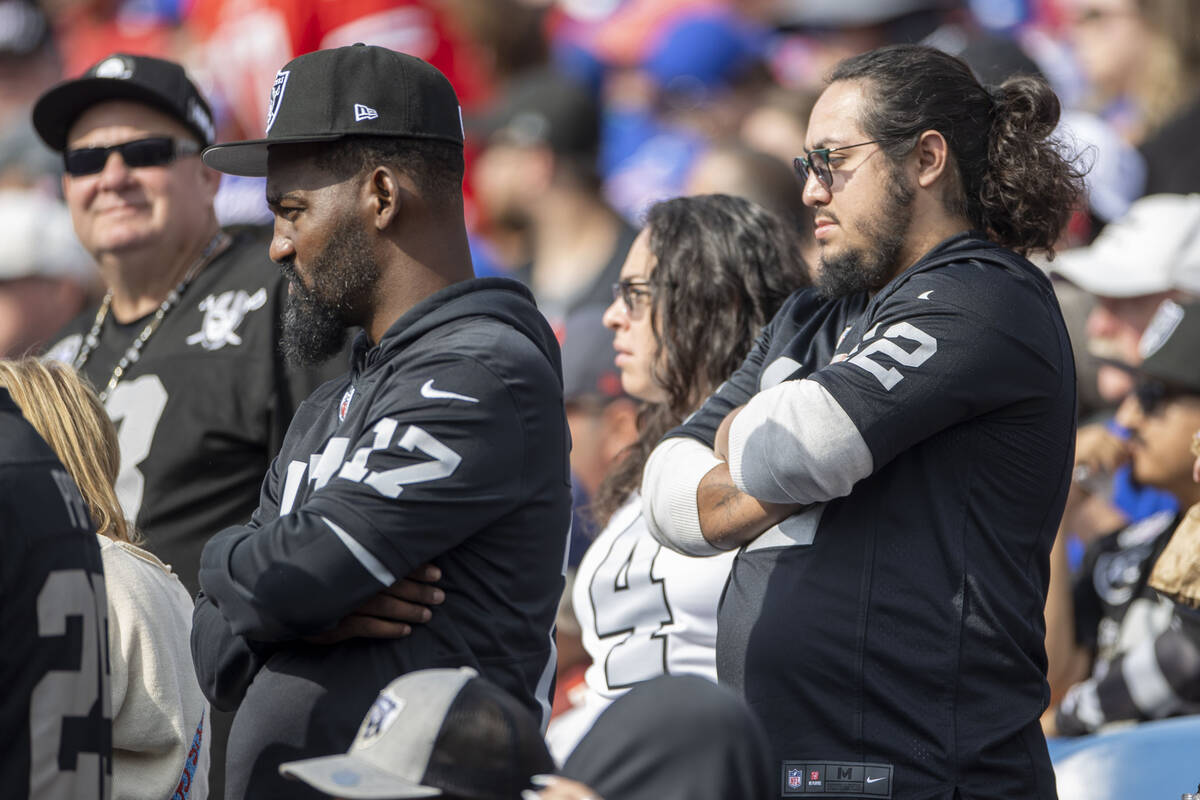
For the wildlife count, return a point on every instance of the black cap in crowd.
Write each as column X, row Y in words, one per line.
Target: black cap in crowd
column 160, row 84
column 1170, row 347
column 587, row 358
column 543, row 108
column 435, row 732
column 358, row 90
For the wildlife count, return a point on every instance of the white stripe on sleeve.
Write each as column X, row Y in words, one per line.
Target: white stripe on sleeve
column 793, row 443
column 372, row 564
column 1148, row 687
column 669, row 483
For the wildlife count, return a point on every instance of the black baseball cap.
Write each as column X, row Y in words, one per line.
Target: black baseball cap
column 435, row 732
column 587, row 358
column 1170, row 347
column 358, row 90
column 156, row 82
column 543, row 108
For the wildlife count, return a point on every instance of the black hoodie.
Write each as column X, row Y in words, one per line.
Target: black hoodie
column 446, row 443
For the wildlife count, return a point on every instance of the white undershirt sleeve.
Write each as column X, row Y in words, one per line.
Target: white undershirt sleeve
column 669, row 483
column 793, row 443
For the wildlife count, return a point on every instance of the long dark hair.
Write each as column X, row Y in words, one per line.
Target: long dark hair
column 722, row 268
column 1015, row 183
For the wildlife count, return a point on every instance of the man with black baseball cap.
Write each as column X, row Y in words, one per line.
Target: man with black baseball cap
column 536, row 179
column 1116, row 615
column 446, row 443
column 183, row 347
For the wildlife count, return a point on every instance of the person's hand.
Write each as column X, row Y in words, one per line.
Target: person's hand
column 391, row 613
column 1050, row 722
column 1098, row 451
column 1098, row 454
column 556, row 788
column 721, row 444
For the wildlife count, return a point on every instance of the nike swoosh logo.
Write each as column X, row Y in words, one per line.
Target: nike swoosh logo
column 437, row 394
column 924, row 295
column 877, row 780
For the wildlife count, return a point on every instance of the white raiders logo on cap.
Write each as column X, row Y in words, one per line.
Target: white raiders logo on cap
column 383, row 713
column 277, row 88
column 1162, row 325
column 115, row 67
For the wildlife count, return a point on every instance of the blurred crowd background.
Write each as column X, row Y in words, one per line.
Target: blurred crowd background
column 622, row 102
column 580, row 114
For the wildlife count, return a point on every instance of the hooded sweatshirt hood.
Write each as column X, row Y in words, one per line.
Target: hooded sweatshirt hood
column 502, row 299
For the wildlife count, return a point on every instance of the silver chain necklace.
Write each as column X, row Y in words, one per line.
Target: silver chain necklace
column 92, row 340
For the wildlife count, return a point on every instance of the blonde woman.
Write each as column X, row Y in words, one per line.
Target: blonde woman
column 160, row 718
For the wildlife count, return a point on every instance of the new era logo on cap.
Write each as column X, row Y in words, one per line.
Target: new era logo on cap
column 362, row 112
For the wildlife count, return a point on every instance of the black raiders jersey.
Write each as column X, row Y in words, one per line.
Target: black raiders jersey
column 447, row 443
column 891, row 637
column 203, row 410
column 55, row 709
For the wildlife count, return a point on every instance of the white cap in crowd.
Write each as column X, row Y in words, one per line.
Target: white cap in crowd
column 1154, row 248
column 434, row 732
column 37, row 239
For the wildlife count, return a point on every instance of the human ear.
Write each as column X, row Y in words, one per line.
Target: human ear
column 933, row 154
column 383, row 196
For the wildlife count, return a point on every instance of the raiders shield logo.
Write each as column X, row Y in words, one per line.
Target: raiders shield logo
column 277, row 88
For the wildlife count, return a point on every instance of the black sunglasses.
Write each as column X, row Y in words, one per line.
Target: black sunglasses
column 817, row 162
column 1151, row 394
column 153, row 151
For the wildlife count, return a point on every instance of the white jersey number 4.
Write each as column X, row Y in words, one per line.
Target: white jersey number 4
column 627, row 599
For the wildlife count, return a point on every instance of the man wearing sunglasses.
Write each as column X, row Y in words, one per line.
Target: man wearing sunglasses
column 183, row 348
column 1150, row 254
column 1123, row 661
column 893, row 456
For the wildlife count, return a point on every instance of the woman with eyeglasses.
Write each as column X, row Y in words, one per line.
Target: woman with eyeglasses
column 160, row 725
column 703, row 276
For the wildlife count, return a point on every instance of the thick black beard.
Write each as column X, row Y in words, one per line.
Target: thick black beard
column 315, row 321
column 870, row 268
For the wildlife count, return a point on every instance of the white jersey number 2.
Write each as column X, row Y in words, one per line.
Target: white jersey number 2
column 62, row 766
column 890, row 376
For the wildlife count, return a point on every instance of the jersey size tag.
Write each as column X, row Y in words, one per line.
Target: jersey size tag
column 842, row 778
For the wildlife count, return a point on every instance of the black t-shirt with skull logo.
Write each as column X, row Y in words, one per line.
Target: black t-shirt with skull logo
column 202, row 412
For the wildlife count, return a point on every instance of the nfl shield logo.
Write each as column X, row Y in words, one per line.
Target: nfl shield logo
column 795, row 778
column 344, row 406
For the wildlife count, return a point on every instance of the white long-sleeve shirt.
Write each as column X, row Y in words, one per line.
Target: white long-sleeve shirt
column 160, row 717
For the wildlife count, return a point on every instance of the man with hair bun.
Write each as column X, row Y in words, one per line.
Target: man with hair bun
column 893, row 457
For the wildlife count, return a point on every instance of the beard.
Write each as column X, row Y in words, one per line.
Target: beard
column 316, row 319
column 870, row 267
